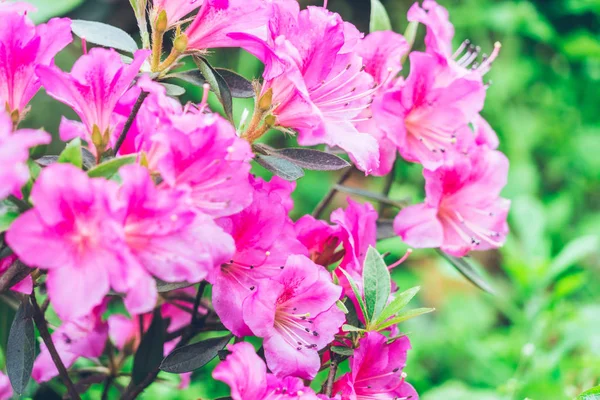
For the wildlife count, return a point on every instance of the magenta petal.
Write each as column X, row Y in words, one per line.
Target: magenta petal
column 419, row 227
column 244, row 372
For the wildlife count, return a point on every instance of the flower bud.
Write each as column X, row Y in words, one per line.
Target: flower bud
column 161, row 22
column 180, row 43
column 264, row 103
column 270, row 120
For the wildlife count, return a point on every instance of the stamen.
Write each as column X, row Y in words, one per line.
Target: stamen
column 461, row 48
column 84, row 45
column 205, row 92
column 401, row 260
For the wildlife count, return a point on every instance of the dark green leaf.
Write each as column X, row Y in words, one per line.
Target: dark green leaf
column 104, row 35
column 89, row 160
column 163, row 287
column 217, row 84
column 592, row 394
column 313, row 159
column 399, row 302
column 150, row 352
column 343, row 351
column 46, row 161
column 280, row 167
column 191, row 357
column 468, row 272
column 380, row 20
column 377, row 283
column 8, row 213
column 109, row 168
column 239, row 86
column 404, row 317
column 72, row 154
column 20, row 351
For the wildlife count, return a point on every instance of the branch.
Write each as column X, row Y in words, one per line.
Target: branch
column 333, row 366
column 129, row 122
column 13, row 275
column 40, row 322
column 330, row 195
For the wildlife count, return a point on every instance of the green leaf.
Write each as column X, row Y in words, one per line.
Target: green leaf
column 404, row 317
column 340, row 304
column 377, row 283
column 162, row 287
column 399, row 302
column 343, row 351
column 218, row 85
column 312, row 159
column 468, row 272
column 109, row 168
column 380, row 20
column 193, row 356
column 72, row 154
column 8, row 213
column 351, row 328
column 150, row 351
column 104, row 35
column 592, row 394
column 173, row 90
column 572, row 253
column 239, row 86
column 357, row 293
column 281, row 167
column 20, row 351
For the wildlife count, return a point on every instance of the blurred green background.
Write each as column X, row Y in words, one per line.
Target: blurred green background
column 539, row 337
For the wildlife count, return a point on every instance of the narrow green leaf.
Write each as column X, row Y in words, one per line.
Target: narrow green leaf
column 217, row 84
column 193, row 356
column 377, row 283
column 340, row 304
column 72, row 154
column 20, row 351
column 357, row 293
column 380, row 20
column 343, row 351
column 399, row 302
column 351, row 328
column 150, row 351
column 104, row 35
column 281, row 167
column 410, row 34
column 592, row 394
column 109, row 168
column 468, row 272
column 404, row 317
column 8, row 213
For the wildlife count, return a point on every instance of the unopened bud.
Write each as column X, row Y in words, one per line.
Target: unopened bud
column 161, row 22
column 98, row 140
column 181, row 42
column 144, row 160
column 270, row 120
column 266, row 100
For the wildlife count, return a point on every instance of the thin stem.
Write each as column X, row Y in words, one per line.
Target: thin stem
column 40, row 322
column 331, row 194
column 106, row 390
column 387, row 187
column 129, row 122
column 173, row 56
column 199, row 295
column 157, row 42
column 333, row 366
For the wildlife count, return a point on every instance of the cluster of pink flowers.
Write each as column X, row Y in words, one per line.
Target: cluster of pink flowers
column 188, row 210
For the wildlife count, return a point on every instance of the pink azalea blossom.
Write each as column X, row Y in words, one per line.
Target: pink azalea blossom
column 26, row 285
column 175, row 9
column 92, row 89
column 296, row 315
column 323, row 90
column 6, row 391
column 8, row 6
column 81, row 337
column 264, row 238
column 246, row 374
column 210, row 161
column 84, row 247
column 171, row 241
column 14, row 152
column 425, row 120
column 218, row 19
column 463, row 210
column 376, row 371
column 23, row 47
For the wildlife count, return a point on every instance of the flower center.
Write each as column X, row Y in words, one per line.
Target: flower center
column 296, row 328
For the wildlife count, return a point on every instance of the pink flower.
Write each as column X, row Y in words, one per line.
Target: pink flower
column 73, row 232
column 26, row 285
column 171, row 241
column 93, row 88
column 7, row 6
column 324, row 90
column 217, row 19
column 14, row 152
column 264, row 238
column 246, row 374
column 376, row 371
column 175, row 9
column 296, row 315
column 425, row 120
column 23, row 47
column 82, row 337
column 6, row 391
column 210, row 161
column 463, row 210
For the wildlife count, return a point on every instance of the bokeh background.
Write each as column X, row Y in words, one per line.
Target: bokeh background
column 539, row 336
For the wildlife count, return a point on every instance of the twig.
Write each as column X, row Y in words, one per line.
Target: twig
column 387, row 187
column 40, row 322
column 333, row 366
column 106, row 390
column 129, row 122
column 330, row 195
